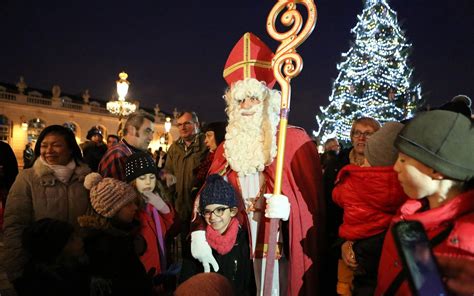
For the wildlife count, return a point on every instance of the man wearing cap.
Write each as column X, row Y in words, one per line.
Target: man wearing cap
column 94, row 148
column 137, row 135
column 247, row 160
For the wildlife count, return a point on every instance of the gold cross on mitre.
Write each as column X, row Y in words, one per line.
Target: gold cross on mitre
column 250, row 58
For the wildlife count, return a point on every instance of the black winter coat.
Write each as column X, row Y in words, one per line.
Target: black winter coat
column 54, row 279
column 114, row 263
column 237, row 265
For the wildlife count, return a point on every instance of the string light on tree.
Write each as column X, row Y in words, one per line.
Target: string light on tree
column 374, row 78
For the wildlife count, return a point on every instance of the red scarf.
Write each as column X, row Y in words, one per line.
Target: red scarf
column 223, row 243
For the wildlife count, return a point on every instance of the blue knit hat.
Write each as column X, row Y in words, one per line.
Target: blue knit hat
column 217, row 191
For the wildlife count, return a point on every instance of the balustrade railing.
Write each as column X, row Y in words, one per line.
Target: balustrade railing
column 38, row 101
column 73, row 106
column 7, row 96
column 34, row 100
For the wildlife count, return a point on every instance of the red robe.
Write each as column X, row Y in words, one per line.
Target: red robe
column 302, row 185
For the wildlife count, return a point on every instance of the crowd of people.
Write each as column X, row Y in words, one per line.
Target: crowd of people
column 113, row 218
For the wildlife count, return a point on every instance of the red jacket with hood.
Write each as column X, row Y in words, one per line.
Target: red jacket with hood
column 457, row 212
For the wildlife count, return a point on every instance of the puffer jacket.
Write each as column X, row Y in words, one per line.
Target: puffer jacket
column 34, row 195
column 458, row 212
column 370, row 196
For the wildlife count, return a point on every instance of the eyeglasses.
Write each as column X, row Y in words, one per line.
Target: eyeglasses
column 217, row 211
column 186, row 123
column 359, row 134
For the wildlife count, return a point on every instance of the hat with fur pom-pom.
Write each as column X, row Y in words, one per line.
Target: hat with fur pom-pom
column 108, row 195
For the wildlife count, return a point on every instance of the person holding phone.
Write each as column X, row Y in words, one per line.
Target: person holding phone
column 435, row 167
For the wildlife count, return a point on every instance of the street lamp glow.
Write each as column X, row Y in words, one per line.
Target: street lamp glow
column 122, row 86
column 168, row 125
column 121, row 107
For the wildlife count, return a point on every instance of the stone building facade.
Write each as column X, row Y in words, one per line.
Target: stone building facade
column 25, row 111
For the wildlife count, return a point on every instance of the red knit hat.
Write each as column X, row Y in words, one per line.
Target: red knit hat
column 250, row 58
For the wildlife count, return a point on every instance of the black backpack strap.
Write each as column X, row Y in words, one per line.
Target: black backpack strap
column 401, row 276
column 440, row 237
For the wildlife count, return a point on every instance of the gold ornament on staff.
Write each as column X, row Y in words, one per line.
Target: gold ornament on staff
column 286, row 64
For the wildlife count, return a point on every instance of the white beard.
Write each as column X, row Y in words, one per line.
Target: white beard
column 250, row 141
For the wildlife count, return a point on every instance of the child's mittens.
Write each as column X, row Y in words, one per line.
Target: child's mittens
column 155, row 200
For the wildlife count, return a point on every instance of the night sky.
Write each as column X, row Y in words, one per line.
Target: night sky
column 174, row 51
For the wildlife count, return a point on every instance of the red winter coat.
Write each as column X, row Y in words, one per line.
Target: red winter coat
column 370, row 196
column 458, row 212
column 151, row 257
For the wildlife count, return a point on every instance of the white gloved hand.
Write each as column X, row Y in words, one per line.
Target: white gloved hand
column 155, row 200
column 201, row 250
column 170, row 179
column 278, row 206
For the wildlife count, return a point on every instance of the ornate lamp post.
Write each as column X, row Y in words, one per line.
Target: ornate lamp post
column 121, row 107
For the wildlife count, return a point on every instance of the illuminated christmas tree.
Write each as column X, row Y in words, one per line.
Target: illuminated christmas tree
column 374, row 78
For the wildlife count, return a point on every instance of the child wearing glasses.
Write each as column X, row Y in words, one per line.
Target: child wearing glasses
column 228, row 240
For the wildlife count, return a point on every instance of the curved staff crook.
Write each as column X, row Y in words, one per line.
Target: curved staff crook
column 286, row 64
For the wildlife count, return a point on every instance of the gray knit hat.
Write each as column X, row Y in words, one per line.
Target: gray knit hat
column 380, row 149
column 139, row 164
column 217, row 191
column 108, row 195
column 442, row 140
